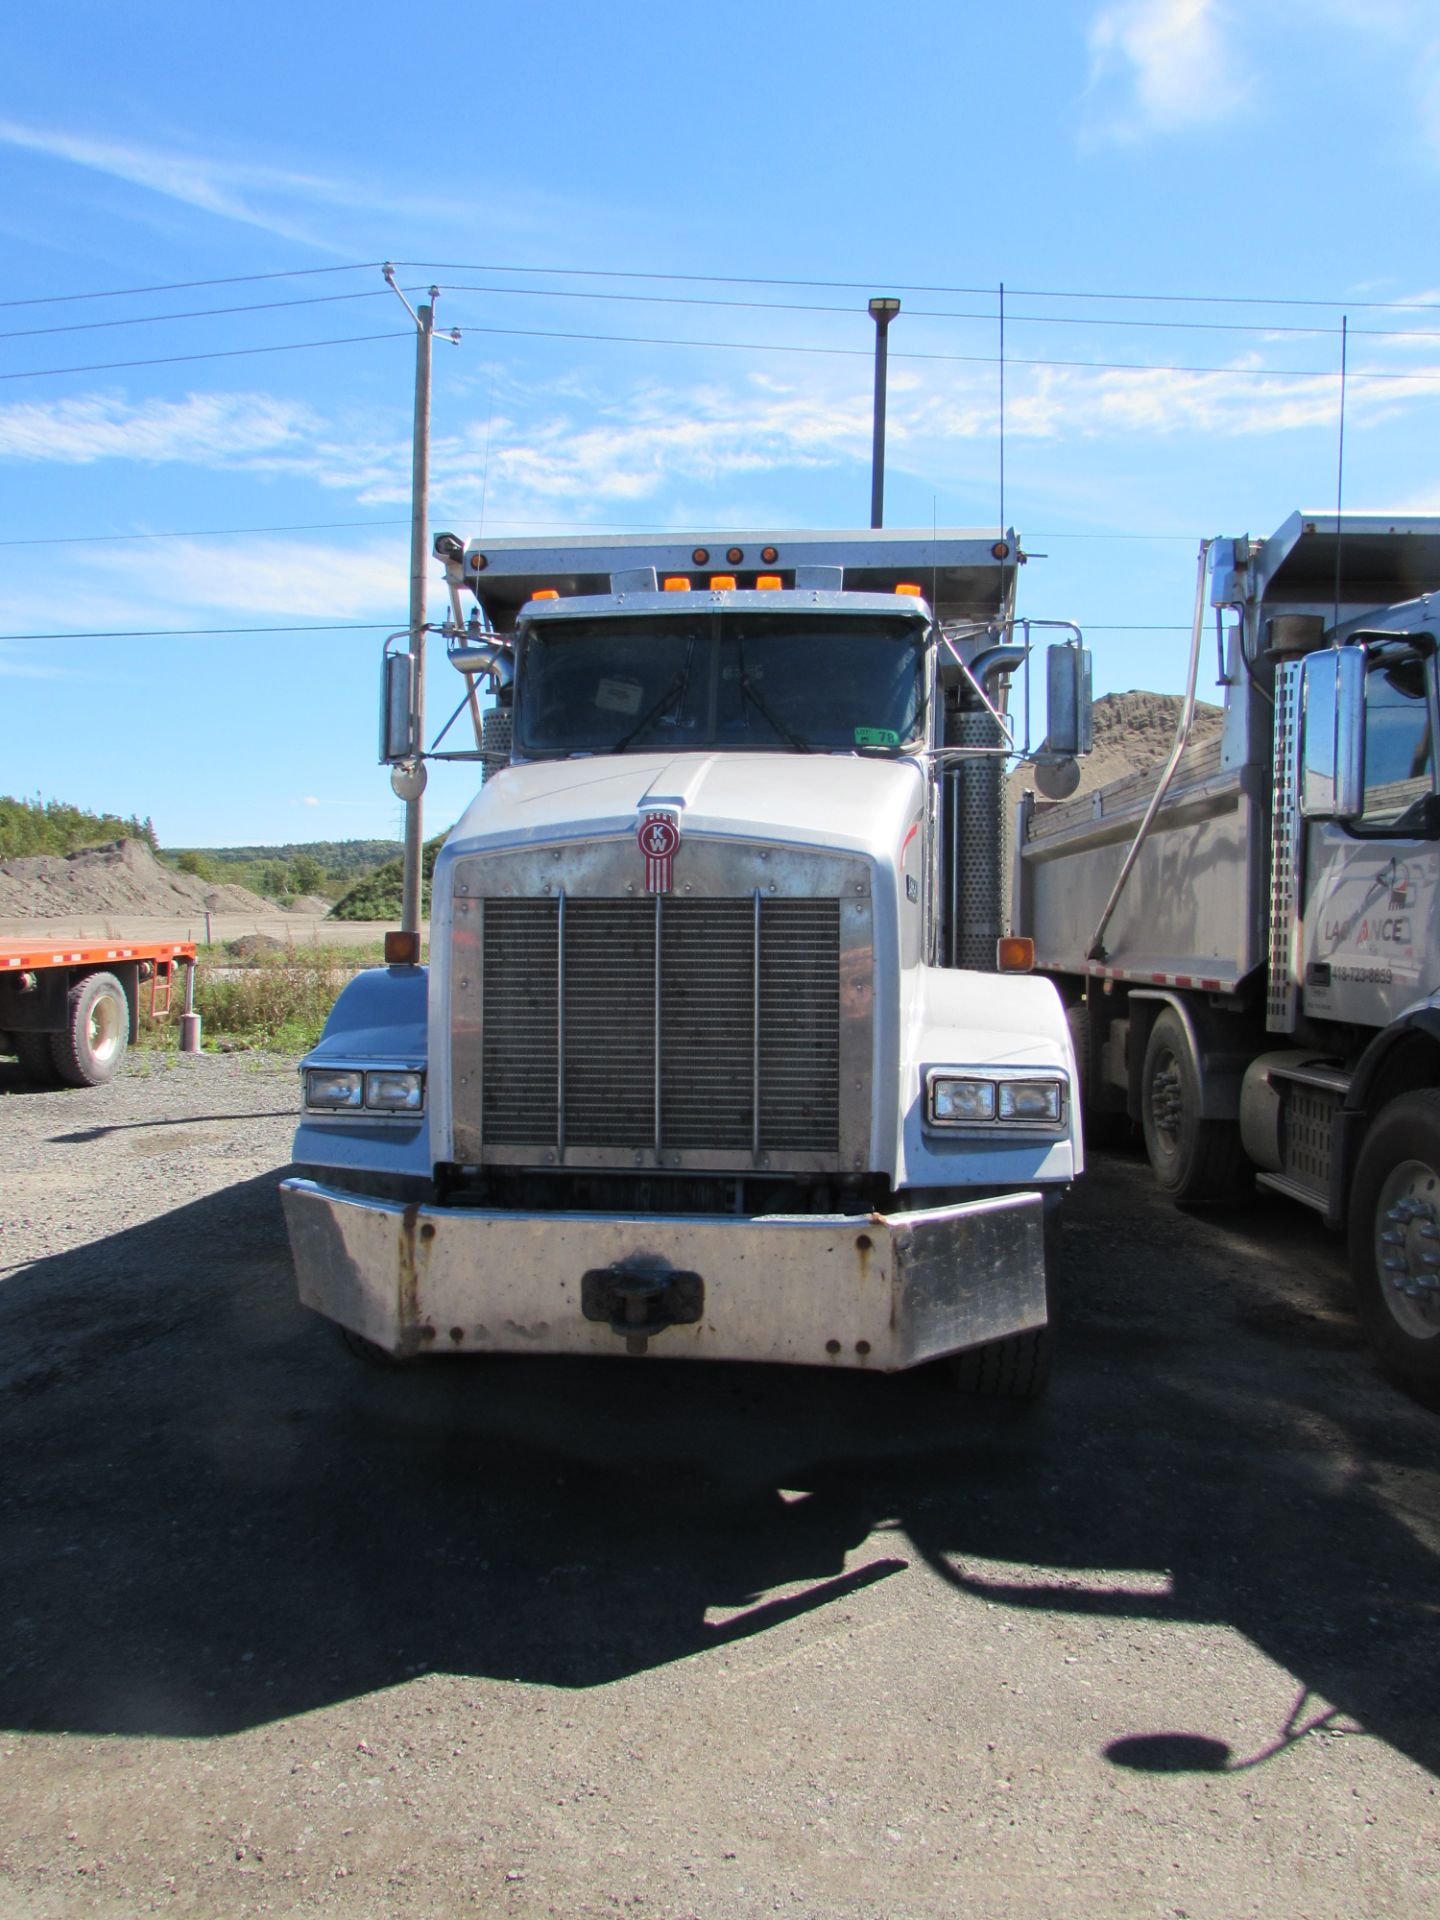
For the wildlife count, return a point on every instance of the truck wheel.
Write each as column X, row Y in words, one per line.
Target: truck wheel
column 1395, row 1240
column 1018, row 1367
column 92, row 1044
column 37, row 1061
column 1196, row 1162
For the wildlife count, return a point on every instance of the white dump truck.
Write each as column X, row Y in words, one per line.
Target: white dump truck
column 1246, row 940
column 720, row 1052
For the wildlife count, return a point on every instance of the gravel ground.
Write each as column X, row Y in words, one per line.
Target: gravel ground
column 284, row 1635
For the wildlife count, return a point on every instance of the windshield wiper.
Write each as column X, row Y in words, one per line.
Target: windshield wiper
column 675, row 691
column 747, row 692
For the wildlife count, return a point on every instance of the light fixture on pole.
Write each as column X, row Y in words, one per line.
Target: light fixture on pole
column 882, row 312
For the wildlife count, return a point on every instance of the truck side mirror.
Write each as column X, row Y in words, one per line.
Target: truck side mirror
column 1332, row 734
column 398, row 734
column 1069, row 724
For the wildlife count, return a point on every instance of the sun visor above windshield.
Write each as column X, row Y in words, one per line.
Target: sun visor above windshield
column 965, row 576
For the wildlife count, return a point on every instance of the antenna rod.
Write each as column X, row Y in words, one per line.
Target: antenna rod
column 1340, row 466
column 1002, row 408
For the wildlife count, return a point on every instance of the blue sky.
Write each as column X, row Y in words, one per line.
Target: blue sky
column 657, row 229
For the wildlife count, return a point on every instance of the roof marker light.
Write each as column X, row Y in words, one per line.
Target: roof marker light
column 701, row 556
column 1001, row 550
column 677, row 583
column 546, row 593
column 722, row 580
column 769, row 555
column 734, row 555
column 766, row 581
column 908, row 586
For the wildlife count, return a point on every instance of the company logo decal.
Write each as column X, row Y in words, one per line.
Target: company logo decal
column 659, row 838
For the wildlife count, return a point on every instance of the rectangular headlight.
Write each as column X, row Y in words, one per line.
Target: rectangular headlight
column 393, row 1090
column 338, row 1089
column 1030, row 1100
column 958, row 1101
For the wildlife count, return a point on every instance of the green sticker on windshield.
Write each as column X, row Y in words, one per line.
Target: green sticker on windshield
column 876, row 737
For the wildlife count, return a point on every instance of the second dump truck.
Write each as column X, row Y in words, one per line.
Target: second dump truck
column 1248, row 939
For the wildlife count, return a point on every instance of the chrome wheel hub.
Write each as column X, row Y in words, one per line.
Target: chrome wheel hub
column 1407, row 1248
column 1167, row 1103
column 104, row 1029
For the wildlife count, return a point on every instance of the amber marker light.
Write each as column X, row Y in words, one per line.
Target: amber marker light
column 1014, row 953
column 479, row 562
column 402, row 949
column 701, row 556
column 768, row 582
column 908, row 586
column 1001, row 550
column 546, row 593
column 722, row 580
column 677, row 583
column 769, row 555
column 735, row 555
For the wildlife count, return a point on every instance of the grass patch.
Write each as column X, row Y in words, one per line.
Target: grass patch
column 272, row 998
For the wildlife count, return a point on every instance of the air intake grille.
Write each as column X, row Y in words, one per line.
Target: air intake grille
column 614, row 983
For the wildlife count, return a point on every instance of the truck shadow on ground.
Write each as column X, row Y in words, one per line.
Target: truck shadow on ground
column 215, row 1517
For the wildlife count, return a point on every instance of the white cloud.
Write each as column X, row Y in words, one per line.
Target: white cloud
column 1174, row 63
column 202, row 429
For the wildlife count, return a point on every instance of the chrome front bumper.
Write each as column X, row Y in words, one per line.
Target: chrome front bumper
column 883, row 1291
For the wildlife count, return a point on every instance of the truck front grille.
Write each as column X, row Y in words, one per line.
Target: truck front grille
column 709, row 1025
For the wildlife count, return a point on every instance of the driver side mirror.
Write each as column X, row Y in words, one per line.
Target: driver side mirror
column 1069, row 717
column 399, row 735
column 1332, row 734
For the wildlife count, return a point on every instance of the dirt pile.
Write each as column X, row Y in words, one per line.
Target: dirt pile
column 1132, row 731
column 122, row 878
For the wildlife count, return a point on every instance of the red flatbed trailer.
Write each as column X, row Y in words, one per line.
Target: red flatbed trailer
column 70, row 1008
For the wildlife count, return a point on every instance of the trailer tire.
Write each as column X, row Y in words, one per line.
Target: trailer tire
column 1196, row 1162
column 37, row 1060
column 90, row 1048
column 1399, row 1169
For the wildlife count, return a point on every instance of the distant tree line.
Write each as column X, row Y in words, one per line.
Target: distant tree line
column 50, row 826
column 327, row 868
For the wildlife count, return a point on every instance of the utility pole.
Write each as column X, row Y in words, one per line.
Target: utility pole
column 882, row 312
column 409, row 781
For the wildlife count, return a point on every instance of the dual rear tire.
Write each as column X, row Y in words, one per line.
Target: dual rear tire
column 89, row 1049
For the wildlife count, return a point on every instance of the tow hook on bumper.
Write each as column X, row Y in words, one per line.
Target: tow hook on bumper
column 641, row 1302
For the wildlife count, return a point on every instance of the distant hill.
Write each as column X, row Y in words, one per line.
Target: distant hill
column 31, row 827
column 323, row 869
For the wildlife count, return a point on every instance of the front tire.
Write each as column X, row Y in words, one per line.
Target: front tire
column 89, row 1050
column 1018, row 1367
column 1196, row 1162
column 1395, row 1240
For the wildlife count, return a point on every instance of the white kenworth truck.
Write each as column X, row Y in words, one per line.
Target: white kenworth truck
column 720, row 1052
column 1247, row 940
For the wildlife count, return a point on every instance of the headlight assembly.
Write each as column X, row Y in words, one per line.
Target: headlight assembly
column 365, row 1090
column 997, row 1100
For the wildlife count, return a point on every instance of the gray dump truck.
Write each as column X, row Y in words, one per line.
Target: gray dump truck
column 1246, row 938
column 720, row 1052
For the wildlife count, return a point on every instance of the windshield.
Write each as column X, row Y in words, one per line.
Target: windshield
column 745, row 680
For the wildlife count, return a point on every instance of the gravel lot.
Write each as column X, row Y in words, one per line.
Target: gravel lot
column 283, row 1634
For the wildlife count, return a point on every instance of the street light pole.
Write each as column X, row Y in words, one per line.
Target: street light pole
column 882, row 312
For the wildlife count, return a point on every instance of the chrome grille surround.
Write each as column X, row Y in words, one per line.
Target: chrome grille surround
column 595, row 1025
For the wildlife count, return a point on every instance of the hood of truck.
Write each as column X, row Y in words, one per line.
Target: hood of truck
column 818, row 800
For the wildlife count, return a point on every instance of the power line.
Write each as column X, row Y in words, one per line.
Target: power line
column 197, row 533
column 217, row 632
column 925, row 313
column 857, row 286
column 198, row 313
column 967, row 359
column 184, row 286
column 228, row 353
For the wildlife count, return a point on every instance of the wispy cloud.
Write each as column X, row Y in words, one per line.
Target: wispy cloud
column 1153, row 66
column 214, row 429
